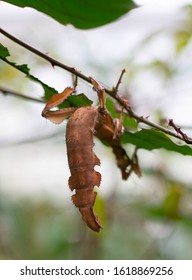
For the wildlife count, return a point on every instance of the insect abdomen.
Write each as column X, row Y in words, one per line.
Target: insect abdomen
column 82, row 160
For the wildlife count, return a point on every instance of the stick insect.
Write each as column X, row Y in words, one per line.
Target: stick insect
column 83, row 124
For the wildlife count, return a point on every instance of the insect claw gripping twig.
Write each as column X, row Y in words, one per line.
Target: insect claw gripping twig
column 75, row 81
column 100, row 91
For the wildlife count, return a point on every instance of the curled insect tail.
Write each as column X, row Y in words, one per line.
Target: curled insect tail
column 90, row 218
column 84, row 203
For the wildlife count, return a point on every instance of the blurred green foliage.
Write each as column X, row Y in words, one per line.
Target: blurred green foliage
column 135, row 227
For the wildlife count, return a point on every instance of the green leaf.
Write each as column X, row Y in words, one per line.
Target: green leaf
column 48, row 91
column 128, row 122
column 164, row 67
column 182, row 39
column 72, row 101
column 76, row 101
column 80, row 100
column 81, row 14
column 3, row 51
column 110, row 105
column 150, row 139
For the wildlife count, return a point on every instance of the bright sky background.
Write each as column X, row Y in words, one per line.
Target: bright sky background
column 166, row 4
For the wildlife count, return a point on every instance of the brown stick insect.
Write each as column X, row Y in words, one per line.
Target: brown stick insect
column 84, row 123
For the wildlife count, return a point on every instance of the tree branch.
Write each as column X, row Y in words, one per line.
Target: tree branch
column 20, row 95
column 179, row 131
column 112, row 93
column 46, row 57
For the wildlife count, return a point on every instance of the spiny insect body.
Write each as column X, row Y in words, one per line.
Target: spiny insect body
column 83, row 124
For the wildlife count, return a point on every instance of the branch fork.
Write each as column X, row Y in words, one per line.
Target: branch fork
column 111, row 92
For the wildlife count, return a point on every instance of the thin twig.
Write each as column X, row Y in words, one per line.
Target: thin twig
column 141, row 119
column 31, row 140
column 119, row 81
column 179, row 131
column 112, row 93
column 20, row 95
